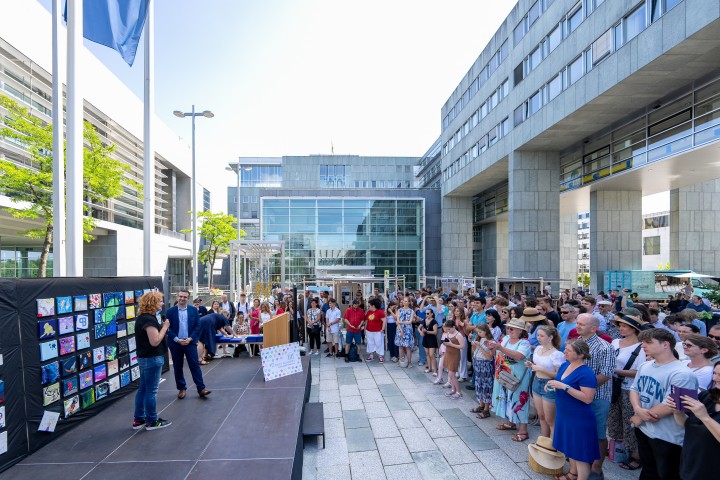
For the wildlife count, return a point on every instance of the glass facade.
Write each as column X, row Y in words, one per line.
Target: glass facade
column 22, row 262
column 381, row 233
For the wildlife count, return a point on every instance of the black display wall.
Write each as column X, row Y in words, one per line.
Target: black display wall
column 52, row 310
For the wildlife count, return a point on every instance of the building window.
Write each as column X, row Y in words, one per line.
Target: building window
column 651, row 245
column 574, row 19
column 575, row 71
column 554, row 87
column 635, row 23
column 657, row 221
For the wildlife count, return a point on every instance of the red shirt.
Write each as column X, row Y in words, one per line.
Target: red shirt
column 374, row 320
column 355, row 317
column 573, row 335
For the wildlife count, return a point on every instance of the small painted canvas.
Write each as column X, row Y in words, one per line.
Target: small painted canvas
column 50, row 373
column 80, row 302
column 82, row 322
column 98, row 355
column 129, row 311
column 69, row 366
column 147, row 290
column 47, row 329
column 83, row 340
column 138, row 294
column 86, row 380
column 100, row 331
column 70, row 386
column 133, row 358
column 110, row 352
column 67, row 345
column 100, row 372
column 99, row 315
column 132, row 344
column 123, row 346
column 131, row 328
column 111, row 328
column 95, row 300
column 124, row 362
column 130, row 296
column 2, row 417
column 48, row 350
column 45, row 307
column 122, row 330
column 51, row 394
column 2, row 391
column 113, row 367
column 72, row 405
column 64, row 305
column 114, row 383
column 87, row 398
column 101, row 391
column 85, row 360
column 111, row 299
column 135, row 373
column 120, row 313
column 125, row 378
column 66, row 325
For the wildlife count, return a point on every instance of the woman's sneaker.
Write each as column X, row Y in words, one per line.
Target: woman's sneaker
column 158, row 424
column 138, row 425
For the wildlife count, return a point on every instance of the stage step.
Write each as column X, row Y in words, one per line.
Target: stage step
column 314, row 421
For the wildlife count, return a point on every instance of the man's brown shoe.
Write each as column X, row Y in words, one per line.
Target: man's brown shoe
column 181, row 394
column 204, row 393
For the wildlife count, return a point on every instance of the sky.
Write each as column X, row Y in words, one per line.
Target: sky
column 299, row 77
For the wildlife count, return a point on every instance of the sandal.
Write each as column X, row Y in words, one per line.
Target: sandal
column 506, row 426
column 427, row 370
column 566, row 476
column 477, row 409
column 203, row 362
column 631, row 465
column 520, row 437
column 483, row 414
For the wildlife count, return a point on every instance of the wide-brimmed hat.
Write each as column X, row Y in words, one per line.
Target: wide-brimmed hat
column 604, row 302
column 516, row 323
column 532, row 315
column 631, row 316
column 542, row 454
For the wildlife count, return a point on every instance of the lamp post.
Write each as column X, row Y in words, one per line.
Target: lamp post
column 235, row 167
column 192, row 115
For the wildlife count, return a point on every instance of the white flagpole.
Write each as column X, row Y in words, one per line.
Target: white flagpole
column 149, row 158
column 75, row 212
column 59, row 265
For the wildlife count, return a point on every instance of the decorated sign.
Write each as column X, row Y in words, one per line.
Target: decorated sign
column 281, row 361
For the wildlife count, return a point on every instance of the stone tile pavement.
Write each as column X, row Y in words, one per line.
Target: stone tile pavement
column 387, row 422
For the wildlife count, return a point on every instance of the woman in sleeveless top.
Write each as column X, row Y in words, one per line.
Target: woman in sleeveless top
column 455, row 343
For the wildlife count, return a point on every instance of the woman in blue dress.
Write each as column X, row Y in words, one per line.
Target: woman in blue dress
column 575, row 426
column 211, row 324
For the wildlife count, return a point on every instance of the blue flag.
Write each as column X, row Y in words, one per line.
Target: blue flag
column 115, row 23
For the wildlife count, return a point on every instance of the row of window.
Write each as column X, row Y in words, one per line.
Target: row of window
column 488, row 140
column 523, row 26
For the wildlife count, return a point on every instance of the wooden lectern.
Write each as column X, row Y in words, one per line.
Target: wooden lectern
column 276, row 331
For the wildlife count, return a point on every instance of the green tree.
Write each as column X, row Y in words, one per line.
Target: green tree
column 30, row 186
column 584, row 279
column 218, row 230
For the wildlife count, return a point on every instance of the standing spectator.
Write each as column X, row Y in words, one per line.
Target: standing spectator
column 428, row 333
column 589, row 303
column 392, row 330
column 418, row 319
column 697, row 304
column 151, row 352
column 714, row 335
column 513, row 406
column 605, row 309
column 313, row 321
column 375, row 330
column 483, row 366
column 534, row 318
column 354, row 320
column 226, row 304
column 183, row 335
column 333, row 316
column 575, row 428
column 243, row 305
column 462, row 323
column 495, row 323
column 546, row 361
column 700, row 350
column 690, row 315
column 676, row 304
column 629, row 355
column 197, row 303
column 602, row 363
column 455, row 343
column 659, row 437
column 550, row 313
column 569, row 314
column 404, row 336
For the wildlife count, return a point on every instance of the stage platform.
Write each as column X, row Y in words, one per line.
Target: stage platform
column 246, row 428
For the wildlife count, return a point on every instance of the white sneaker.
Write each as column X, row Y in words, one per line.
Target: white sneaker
column 447, row 385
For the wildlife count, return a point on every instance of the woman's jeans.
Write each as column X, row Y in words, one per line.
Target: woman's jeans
column 146, row 395
column 392, row 348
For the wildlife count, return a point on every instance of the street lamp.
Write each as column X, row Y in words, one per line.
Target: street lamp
column 192, row 115
column 235, row 167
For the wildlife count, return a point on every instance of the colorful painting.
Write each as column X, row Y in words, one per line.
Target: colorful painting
column 147, row 290
column 64, row 305
column 122, row 330
column 130, row 311
column 100, row 372
column 67, row 345
column 48, row 350
column 86, row 380
column 70, row 386
column 72, row 405
column 47, row 329
column 87, row 398
column 120, row 313
column 80, row 302
column 111, row 328
column 130, row 296
column 51, row 394
column 100, row 331
column 69, row 366
column 99, row 315
column 2, row 417
column 114, row 383
column 50, row 373
column 123, row 346
column 124, row 362
column 131, row 328
column 280, row 361
column 82, row 321
column 98, row 355
column 66, row 325
column 125, row 379
column 132, row 344
column 112, row 299
column 133, row 358
column 101, row 391
column 2, row 391
column 85, row 360
column 113, row 367
column 83, row 340
column 135, row 373
column 110, row 352
column 45, row 307
column 95, row 300
column 138, row 294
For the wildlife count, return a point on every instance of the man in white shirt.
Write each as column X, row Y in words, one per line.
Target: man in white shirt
column 228, row 306
column 333, row 317
column 244, row 305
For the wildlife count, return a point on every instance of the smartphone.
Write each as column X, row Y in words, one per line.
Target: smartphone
column 446, row 339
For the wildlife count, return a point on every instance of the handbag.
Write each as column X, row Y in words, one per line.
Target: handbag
column 618, row 381
column 509, row 380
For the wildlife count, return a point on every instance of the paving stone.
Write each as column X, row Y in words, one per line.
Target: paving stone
column 539, row 476
column 397, row 403
column 346, row 380
column 344, row 371
column 397, row 373
column 360, row 440
column 413, row 394
column 471, row 471
column 366, row 465
column 334, row 428
column 328, row 385
column 456, row 418
column 363, row 373
column 501, row 466
column 366, row 384
column 349, row 390
column 376, row 409
column 384, row 427
column 309, row 471
column 352, row 403
column 335, row 453
column 329, row 396
column 314, row 389
column 405, row 383
column 432, row 465
column 389, row 390
column 424, row 409
column 454, row 450
column 406, row 419
column 437, row 427
column 476, row 439
column 417, row 440
column 355, row 419
column 332, row 410
column 384, row 380
column 333, row 472
column 401, row 472
column 373, row 395
column 517, row 451
column 393, row 451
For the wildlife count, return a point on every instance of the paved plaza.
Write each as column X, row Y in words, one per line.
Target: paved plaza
column 383, row 421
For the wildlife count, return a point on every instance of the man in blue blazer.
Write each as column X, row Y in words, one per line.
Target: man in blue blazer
column 182, row 337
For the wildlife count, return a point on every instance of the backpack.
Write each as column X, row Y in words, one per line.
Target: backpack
column 353, row 353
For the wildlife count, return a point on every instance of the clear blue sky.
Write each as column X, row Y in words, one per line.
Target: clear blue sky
column 290, row 77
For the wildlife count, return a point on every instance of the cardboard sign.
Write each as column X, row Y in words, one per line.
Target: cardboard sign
column 281, row 361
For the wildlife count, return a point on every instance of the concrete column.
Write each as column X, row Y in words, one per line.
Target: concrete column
column 569, row 250
column 494, row 249
column 534, row 214
column 695, row 228
column 615, row 233
column 457, row 236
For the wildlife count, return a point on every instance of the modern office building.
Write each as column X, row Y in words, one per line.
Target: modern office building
column 578, row 106
column 342, row 214
column 116, row 113
column 583, row 240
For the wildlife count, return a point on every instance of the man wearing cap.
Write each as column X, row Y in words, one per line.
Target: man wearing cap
column 605, row 310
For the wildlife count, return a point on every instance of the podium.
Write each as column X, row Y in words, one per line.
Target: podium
column 276, row 331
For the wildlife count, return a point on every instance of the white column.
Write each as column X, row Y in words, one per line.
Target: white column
column 149, row 156
column 59, row 265
column 74, row 141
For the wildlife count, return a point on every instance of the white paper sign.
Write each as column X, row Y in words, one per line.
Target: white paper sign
column 3, row 442
column 49, row 421
column 281, row 361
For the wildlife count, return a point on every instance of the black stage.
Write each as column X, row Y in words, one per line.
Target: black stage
column 246, row 428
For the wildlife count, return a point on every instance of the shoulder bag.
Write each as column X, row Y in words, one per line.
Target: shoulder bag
column 618, row 381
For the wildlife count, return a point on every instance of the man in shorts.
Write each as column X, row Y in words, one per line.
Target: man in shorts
column 333, row 316
column 354, row 322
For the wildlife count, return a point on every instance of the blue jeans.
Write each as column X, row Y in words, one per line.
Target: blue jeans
column 418, row 342
column 146, row 395
column 392, row 348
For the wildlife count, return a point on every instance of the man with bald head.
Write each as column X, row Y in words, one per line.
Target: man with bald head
column 602, row 362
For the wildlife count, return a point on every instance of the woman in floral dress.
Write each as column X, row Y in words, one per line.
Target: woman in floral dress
column 404, row 337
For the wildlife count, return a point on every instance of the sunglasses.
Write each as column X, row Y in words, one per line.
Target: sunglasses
column 714, row 337
column 688, row 345
column 564, row 313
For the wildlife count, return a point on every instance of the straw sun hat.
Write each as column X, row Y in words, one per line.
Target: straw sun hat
column 532, row 315
column 543, row 458
column 516, row 323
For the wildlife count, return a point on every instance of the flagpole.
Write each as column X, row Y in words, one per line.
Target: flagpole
column 59, row 265
column 75, row 212
column 149, row 159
